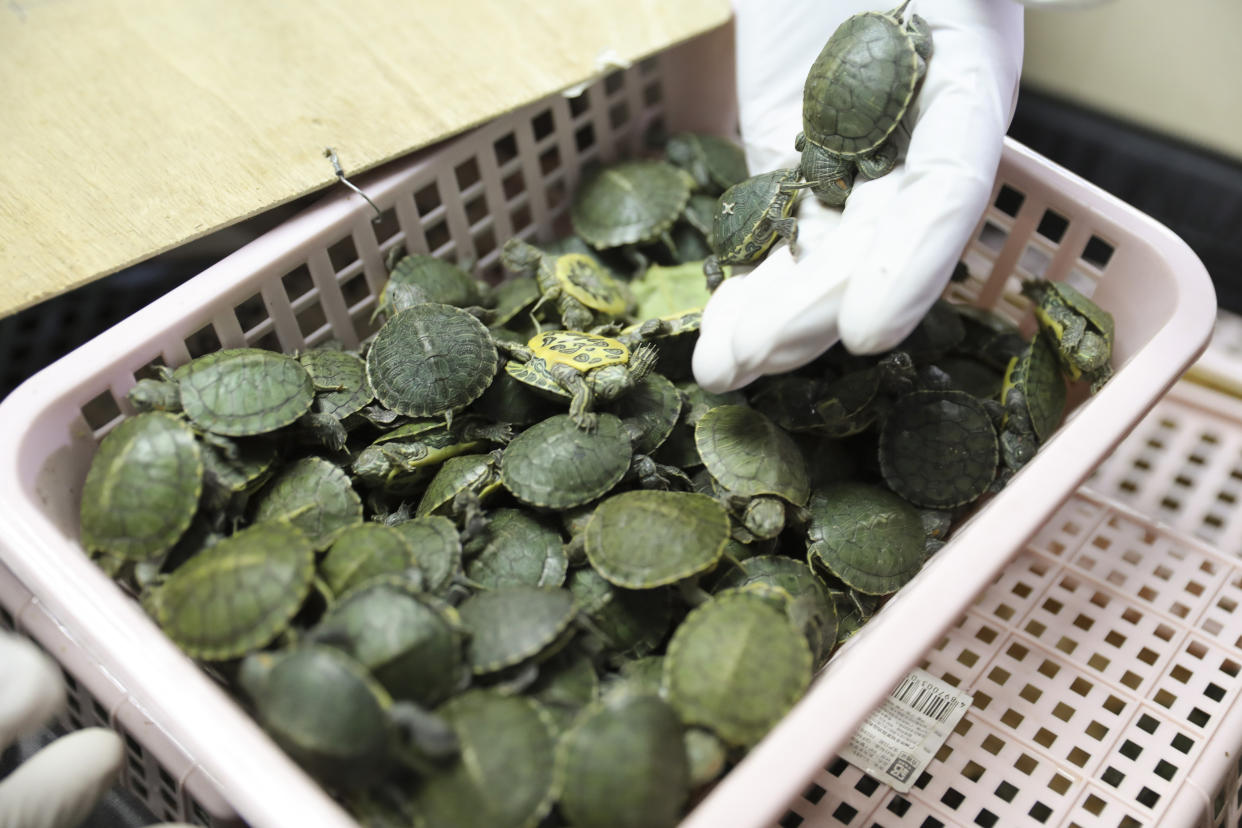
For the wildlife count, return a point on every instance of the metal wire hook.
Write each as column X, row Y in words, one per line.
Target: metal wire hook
column 330, row 154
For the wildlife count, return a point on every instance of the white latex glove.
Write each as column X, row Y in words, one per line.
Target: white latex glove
column 865, row 275
column 59, row 786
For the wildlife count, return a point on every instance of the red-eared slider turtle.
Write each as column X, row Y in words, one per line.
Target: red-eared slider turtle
column 504, row 778
column 1033, row 394
column 363, row 551
column 243, row 391
column 715, row 163
column 412, row 643
column 513, row 625
column 735, row 666
column 459, row 488
column 331, row 716
column 437, row 549
column 938, row 449
column 649, row 412
column 852, row 402
column 856, row 93
column 810, row 605
column 867, row 537
column 749, row 218
column 400, row 460
column 757, row 465
column 582, row 367
column 631, row 202
column 313, row 494
column 629, row 623
column 1079, row 329
column 142, row 488
column 556, row 465
column 228, row 481
column 343, row 377
column 431, row 360
column 238, row 595
column 419, row 278
column 516, row 548
column 644, row 539
column 623, row 764
column 584, row 292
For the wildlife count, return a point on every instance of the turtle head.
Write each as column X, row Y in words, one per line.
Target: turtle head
column 372, row 464
column 764, row 517
column 154, row 395
column 679, row 150
column 520, row 256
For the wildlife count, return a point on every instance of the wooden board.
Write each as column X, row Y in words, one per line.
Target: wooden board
column 133, row 126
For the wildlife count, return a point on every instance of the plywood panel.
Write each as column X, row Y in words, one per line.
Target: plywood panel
column 128, row 127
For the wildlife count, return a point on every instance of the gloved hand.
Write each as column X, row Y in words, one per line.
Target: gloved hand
column 59, row 786
column 864, row 275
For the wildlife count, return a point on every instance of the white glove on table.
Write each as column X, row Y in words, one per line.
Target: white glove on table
column 864, row 275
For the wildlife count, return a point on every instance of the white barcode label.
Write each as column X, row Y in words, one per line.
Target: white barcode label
column 899, row 739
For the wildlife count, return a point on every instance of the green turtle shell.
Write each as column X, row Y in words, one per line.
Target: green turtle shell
column 938, row 449
column 242, row 391
column 238, row 595
column 512, row 624
column 715, row 163
column 628, row 202
column 1038, row 373
column 516, row 548
column 421, row 278
column 648, row 538
column 555, row 464
column 749, row 455
column 332, row 368
column 742, row 210
column 142, row 488
column 313, row 494
column 869, row 538
column 860, row 85
column 431, row 359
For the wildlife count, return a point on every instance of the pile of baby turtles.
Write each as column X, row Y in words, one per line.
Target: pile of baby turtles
column 507, row 565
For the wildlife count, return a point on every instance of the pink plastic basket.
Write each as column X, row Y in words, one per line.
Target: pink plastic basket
column 196, row 755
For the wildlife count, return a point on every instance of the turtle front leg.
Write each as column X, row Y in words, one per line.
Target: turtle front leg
column 713, row 271
column 575, row 316
column 880, row 162
column 582, row 396
column 514, row 350
column 784, row 226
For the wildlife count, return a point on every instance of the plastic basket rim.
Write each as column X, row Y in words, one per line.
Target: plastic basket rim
column 1165, row 355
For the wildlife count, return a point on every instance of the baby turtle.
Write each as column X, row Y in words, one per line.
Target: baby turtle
column 1033, row 394
column 504, row 778
column 142, row 488
column 512, row 625
column 419, row 278
column 856, row 93
column 330, row 715
column 735, row 666
column 649, row 412
column 867, row 537
column 556, row 465
column 629, row 623
column 584, row 292
column 643, row 539
column 243, row 391
column 238, row 595
column 631, row 202
column 437, row 549
column 314, row 495
column 757, row 465
column 364, row 551
column 809, row 606
column 516, row 548
column 459, row 488
column 1079, row 329
column 431, row 360
column 581, row 367
column 343, row 377
column 412, row 643
column 750, row 216
column 715, row 163
column 939, row 449
column 623, row 764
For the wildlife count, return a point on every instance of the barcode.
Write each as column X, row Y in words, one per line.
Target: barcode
column 923, row 698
